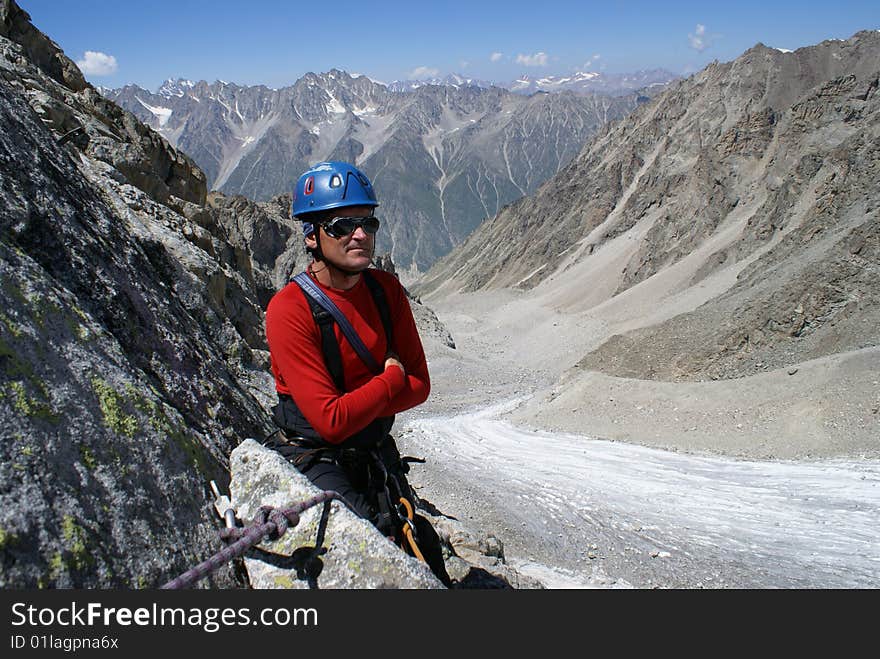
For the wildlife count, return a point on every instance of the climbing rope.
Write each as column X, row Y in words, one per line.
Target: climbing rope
column 270, row 522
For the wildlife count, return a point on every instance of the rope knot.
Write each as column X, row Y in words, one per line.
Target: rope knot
column 270, row 515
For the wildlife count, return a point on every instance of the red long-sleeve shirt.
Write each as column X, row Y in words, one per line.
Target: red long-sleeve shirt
column 298, row 361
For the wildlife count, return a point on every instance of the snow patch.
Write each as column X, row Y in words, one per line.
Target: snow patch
column 334, row 106
column 366, row 110
column 162, row 114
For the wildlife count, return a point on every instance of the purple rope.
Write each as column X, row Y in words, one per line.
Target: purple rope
column 270, row 522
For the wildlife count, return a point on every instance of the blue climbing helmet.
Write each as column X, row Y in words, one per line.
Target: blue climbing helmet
column 327, row 185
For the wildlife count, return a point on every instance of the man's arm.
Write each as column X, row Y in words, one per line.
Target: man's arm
column 409, row 350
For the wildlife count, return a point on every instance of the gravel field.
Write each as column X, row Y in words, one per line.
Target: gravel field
column 591, row 481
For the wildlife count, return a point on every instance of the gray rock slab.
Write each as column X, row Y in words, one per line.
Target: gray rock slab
column 356, row 556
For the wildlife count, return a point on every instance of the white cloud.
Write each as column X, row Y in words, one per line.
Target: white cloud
column 538, row 59
column 97, row 64
column 699, row 41
column 423, row 72
column 590, row 62
column 494, row 57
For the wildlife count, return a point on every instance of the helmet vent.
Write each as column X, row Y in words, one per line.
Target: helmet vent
column 335, row 181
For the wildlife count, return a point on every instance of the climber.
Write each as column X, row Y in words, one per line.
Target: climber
column 344, row 368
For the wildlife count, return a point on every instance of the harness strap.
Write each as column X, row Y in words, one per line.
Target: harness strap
column 329, row 344
column 387, row 512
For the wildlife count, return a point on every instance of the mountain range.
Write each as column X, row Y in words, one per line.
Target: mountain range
column 443, row 157
column 582, row 82
column 742, row 203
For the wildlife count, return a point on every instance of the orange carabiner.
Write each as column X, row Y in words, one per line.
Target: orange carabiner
column 408, row 529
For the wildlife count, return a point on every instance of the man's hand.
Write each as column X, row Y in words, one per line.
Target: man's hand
column 392, row 360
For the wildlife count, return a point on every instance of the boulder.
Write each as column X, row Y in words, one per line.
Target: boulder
column 353, row 554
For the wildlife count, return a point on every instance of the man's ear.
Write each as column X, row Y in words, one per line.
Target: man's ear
column 310, row 241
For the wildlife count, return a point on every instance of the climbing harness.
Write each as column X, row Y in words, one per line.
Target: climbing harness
column 403, row 511
column 299, row 443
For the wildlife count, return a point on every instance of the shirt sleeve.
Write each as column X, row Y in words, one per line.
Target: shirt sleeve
column 298, row 363
column 408, row 346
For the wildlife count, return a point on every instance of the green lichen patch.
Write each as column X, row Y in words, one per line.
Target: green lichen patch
column 28, row 406
column 75, row 543
column 10, row 325
column 159, row 421
column 77, row 322
column 283, row 581
column 74, row 555
column 111, row 404
column 88, row 458
column 7, row 539
column 56, row 565
column 18, row 371
column 78, row 330
column 42, row 308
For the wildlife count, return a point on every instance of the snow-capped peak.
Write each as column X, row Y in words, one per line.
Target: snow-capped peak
column 177, row 87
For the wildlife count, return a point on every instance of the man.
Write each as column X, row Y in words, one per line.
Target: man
column 335, row 410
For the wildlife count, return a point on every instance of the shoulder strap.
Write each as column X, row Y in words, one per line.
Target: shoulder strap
column 314, row 292
column 381, row 301
column 329, row 344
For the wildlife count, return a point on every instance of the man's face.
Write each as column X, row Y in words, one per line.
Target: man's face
column 353, row 252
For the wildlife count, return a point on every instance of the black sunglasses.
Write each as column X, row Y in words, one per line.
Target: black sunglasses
column 343, row 226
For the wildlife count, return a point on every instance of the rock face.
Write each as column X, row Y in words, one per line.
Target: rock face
column 760, row 176
column 443, row 158
column 268, row 246
column 356, row 556
column 131, row 351
column 75, row 110
column 16, row 26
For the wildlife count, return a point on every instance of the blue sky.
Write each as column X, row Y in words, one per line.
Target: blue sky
column 274, row 43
